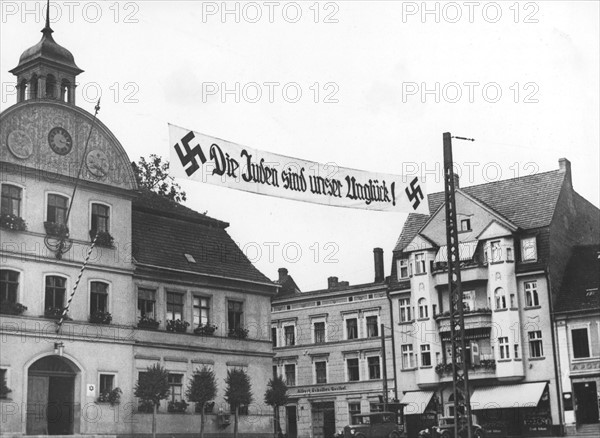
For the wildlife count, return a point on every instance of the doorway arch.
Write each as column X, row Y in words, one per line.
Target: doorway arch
column 52, row 400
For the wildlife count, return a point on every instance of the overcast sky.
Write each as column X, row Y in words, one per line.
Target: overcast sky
column 365, row 85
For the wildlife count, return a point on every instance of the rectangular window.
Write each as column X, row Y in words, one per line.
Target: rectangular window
column 509, row 255
column 235, row 311
column 465, row 225
column 353, row 371
column 9, row 285
column 107, row 383
column 174, row 306
column 516, row 351
column 403, row 268
column 372, row 327
column 146, row 303
column 425, row 355
column 408, row 357
column 290, row 374
column 319, row 330
column 290, row 335
column 98, row 297
column 374, row 367
column 100, row 218
column 353, row 409
column 531, row 294
column 274, row 336
column 404, row 304
column 57, row 209
column 352, row 328
column 55, row 292
column 469, row 300
column 11, row 200
column 201, row 308
column 321, row 372
column 536, row 348
column 423, row 308
column 496, row 251
column 176, row 387
column 528, row 249
column 504, row 348
column 581, row 346
column 420, row 263
column 513, row 302
column 3, row 381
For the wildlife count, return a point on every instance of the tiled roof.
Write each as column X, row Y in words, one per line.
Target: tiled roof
column 582, row 276
column 164, row 231
column 528, row 202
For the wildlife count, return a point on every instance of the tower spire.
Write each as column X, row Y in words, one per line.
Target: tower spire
column 47, row 30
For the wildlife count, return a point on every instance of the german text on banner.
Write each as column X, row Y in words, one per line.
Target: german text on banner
column 211, row 160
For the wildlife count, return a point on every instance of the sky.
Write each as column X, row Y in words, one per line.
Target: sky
column 364, row 85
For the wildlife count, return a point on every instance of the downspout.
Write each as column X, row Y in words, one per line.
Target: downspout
column 556, row 365
column 393, row 345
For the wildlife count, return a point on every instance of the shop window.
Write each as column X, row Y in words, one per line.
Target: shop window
column 374, row 367
column 290, row 374
column 319, row 332
column 536, row 348
column 528, row 249
column 353, row 370
column 404, row 305
column 353, row 409
column 321, row 372
column 201, row 311
column 9, row 285
column 289, row 332
column 531, row 294
column 98, row 297
column 352, row 328
column 425, row 355
column 372, row 327
column 11, row 200
column 146, row 303
column 174, row 306
column 581, row 346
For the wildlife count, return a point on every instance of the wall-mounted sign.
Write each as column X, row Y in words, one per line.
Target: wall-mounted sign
column 321, row 389
column 91, row 390
column 214, row 161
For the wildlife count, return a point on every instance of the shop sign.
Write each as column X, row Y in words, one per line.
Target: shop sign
column 321, row 389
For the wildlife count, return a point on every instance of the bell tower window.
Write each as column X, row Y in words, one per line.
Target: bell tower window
column 33, row 87
column 50, row 87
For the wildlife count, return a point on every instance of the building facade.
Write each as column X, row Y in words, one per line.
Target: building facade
column 577, row 322
column 515, row 238
column 328, row 348
column 163, row 283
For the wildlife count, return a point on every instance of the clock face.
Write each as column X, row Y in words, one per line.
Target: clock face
column 97, row 163
column 60, row 140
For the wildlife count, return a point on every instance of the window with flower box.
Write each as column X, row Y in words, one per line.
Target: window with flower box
column 174, row 306
column 9, row 285
column 55, row 294
column 12, row 197
column 98, row 297
column 200, row 311
column 146, row 303
column 57, row 209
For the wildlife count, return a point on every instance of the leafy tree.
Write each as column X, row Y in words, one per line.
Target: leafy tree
column 151, row 388
column 202, row 388
column 4, row 390
column 276, row 396
column 238, row 392
column 153, row 175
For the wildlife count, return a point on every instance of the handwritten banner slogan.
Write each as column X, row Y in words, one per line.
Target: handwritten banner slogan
column 211, row 160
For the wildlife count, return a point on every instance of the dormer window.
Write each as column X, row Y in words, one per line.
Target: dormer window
column 496, row 251
column 528, row 249
column 420, row 263
column 465, row 225
column 403, row 268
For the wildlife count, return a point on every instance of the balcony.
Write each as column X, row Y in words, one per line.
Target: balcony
column 486, row 369
column 470, row 270
column 474, row 319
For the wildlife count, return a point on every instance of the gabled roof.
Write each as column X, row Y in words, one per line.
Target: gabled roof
column 528, row 202
column 579, row 289
column 165, row 231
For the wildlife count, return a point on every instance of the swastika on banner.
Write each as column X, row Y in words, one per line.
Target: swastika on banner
column 415, row 195
column 190, row 154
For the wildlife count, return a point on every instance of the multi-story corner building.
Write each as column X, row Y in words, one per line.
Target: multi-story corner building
column 577, row 320
column 328, row 347
column 515, row 240
column 154, row 262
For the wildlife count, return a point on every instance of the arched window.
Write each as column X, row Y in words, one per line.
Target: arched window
column 98, row 297
column 9, row 285
column 33, row 87
column 55, row 294
column 65, row 91
column 500, row 298
column 423, row 310
column 50, row 86
column 23, row 90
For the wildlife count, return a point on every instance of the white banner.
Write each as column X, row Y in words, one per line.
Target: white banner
column 211, row 160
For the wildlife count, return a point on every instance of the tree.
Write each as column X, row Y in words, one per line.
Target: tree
column 238, row 392
column 276, row 396
column 151, row 388
column 202, row 388
column 153, row 175
column 4, row 390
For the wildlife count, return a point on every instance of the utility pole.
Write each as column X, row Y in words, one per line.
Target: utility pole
column 384, row 366
column 460, row 374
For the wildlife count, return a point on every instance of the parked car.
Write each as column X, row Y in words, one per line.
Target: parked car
column 445, row 429
column 373, row 425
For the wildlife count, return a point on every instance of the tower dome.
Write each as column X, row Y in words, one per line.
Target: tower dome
column 49, row 50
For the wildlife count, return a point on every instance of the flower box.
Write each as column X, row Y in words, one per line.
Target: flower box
column 205, row 329
column 177, row 325
column 55, row 229
column 103, row 238
column 177, row 406
column 10, row 308
column 12, row 222
column 113, row 397
column 148, row 323
column 208, row 407
column 56, row 313
column 239, row 333
column 100, row 317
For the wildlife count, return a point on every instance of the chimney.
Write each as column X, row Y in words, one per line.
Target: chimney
column 564, row 165
column 456, row 179
column 332, row 282
column 378, row 258
column 282, row 274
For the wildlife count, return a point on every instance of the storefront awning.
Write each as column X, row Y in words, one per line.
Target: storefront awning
column 466, row 251
column 523, row 395
column 416, row 402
